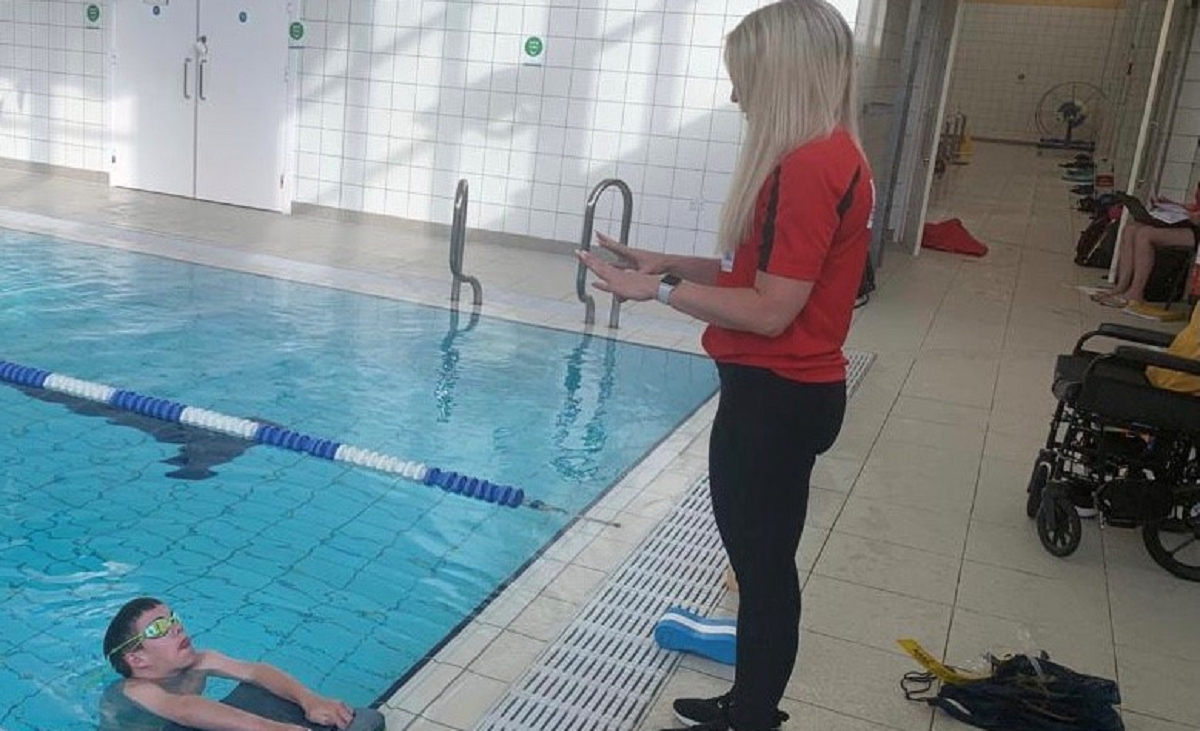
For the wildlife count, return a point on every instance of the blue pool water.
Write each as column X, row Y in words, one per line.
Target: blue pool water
column 345, row 577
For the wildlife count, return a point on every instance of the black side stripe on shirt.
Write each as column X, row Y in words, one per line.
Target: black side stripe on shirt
column 768, row 230
column 848, row 197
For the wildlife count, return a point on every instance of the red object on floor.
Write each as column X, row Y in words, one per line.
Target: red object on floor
column 952, row 236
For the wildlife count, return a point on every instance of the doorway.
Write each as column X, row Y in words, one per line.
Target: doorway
column 981, row 59
column 201, row 100
column 929, row 43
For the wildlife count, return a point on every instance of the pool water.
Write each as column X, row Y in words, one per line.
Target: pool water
column 345, row 577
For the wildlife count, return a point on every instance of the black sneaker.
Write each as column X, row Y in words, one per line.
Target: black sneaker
column 704, row 714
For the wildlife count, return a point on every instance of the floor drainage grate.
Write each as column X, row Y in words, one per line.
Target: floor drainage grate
column 856, row 367
column 605, row 669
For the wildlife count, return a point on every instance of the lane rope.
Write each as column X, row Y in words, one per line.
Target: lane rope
column 269, row 434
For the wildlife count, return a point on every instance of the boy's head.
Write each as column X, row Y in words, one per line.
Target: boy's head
column 145, row 639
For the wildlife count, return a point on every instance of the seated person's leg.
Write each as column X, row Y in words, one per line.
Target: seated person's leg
column 1145, row 245
column 1116, row 297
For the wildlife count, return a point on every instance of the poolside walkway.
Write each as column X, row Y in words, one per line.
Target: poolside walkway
column 917, row 525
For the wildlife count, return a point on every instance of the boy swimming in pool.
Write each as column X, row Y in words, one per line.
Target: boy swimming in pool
column 164, row 677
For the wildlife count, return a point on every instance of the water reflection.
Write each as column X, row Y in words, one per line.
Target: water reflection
column 580, row 430
column 448, row 374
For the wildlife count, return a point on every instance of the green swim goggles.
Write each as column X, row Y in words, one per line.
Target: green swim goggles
column 158, row 628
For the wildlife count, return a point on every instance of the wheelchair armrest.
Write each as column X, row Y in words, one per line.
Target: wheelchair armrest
column 1142, row 356
column 1127, row 333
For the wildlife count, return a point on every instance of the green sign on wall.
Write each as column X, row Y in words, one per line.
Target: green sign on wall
column 92, row 13
column 296, row 31
column 534, row 46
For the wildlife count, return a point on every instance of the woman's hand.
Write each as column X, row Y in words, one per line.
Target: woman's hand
column 624, row 283
column 646, row 262
column 328, row 712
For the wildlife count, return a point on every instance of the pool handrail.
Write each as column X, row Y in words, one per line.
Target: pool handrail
column 585, row 244
column 458, row 240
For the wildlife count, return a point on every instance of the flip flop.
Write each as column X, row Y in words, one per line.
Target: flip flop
column 1112, row 300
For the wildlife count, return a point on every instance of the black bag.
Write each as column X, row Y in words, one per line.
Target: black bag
column 1168, row 278
column 1097, row 243
column 1030, row 694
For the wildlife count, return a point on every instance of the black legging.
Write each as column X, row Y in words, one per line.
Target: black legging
column 766, row 436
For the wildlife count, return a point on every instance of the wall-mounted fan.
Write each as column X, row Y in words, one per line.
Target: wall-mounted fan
column 1068, row 116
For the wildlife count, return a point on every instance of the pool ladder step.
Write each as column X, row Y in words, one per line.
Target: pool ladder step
column 585, row 244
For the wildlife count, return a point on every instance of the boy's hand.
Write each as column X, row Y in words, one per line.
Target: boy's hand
column 328, row 712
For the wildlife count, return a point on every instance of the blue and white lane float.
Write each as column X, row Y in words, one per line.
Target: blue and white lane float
column 173, row 411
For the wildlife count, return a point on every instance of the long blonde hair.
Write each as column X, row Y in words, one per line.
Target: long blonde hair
column 792, row 68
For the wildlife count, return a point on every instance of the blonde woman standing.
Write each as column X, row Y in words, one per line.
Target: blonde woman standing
column 793, row 238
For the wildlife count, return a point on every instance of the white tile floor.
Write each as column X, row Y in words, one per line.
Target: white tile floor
column 917, row 527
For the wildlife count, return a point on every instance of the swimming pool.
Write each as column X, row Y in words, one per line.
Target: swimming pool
column 344, row 576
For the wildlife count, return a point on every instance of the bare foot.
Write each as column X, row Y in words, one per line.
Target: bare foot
column 1112, row 299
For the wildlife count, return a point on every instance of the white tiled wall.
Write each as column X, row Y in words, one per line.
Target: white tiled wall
column 1135, row 45
column 52, row 82
column 1009, row 55
column 1181, row 172
column 879, row 34
column 401, row 99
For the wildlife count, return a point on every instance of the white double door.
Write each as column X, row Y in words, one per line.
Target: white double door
column 200, row 101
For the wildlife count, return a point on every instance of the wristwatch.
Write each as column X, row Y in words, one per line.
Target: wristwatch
column 666, row 286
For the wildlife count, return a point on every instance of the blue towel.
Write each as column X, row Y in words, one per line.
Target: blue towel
column 687, row 631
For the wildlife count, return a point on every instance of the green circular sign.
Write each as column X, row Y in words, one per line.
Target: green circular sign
column 534, row 46
column 93, row 13
column 296, row 31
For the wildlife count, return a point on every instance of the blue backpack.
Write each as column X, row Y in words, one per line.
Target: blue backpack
column 1029, row 694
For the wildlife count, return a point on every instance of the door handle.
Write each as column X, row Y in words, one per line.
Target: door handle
column 187, row 64
column 203, row 61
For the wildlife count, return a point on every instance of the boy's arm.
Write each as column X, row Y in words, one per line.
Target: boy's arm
column 317, row 709
column 199, row 712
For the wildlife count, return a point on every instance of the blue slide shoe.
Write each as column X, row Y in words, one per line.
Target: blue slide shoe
column 687, row 631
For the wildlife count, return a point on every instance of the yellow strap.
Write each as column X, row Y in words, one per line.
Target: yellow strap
column 943, row 672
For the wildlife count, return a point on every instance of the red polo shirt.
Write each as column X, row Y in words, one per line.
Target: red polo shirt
column 811, row 223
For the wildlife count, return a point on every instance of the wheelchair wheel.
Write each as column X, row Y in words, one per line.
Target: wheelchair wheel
column 1174, row 541
column 1042, row 467
column 1058, row 525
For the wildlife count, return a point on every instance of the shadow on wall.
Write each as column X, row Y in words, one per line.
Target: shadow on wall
column 529, row 160
column 634, row 101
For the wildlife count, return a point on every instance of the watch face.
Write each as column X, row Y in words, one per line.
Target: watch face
column 671, row 280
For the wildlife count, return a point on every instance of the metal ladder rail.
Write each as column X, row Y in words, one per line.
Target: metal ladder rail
column 458, row 239
column 589, row 221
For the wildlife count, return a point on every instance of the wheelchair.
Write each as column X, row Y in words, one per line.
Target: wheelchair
column 1122, row 448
